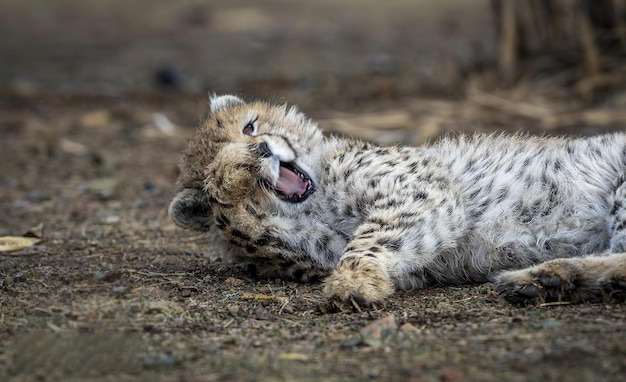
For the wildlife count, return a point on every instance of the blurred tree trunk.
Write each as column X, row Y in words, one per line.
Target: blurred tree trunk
column 528, row 28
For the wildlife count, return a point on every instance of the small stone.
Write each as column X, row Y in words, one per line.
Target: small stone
column 111, row 219
column 234, row 282
column 19, row 277
column 287, row 309
column 233, row 309
column 550, row 324
column 118, row 290
column 409, row 329
column 381, row 63
column 170, row 77
column 378, row 332
column 163, row 360
column 99, row 275
column 138, row 204
column 102, row 187
column 37, row 196
column 451, row 374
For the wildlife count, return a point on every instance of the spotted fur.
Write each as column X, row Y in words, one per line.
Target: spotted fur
column 375, row 219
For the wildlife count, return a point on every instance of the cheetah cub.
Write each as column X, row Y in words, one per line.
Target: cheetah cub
column 543, row 218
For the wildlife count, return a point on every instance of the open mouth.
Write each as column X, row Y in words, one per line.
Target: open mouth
column 293, row 184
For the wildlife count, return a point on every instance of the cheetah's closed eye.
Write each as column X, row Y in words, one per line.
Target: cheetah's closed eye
column 544, row 218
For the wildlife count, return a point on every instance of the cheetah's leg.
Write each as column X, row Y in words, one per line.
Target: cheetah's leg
column 360, row 278
column 617, row 220
column 575, row 280
column 386, row 253
column 593, row 278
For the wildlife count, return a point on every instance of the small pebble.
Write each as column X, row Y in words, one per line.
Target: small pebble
column 118, row 290
column 234, row 282
column 99, row 275
column 37, row 196
column 233, row 309
column 169, row 77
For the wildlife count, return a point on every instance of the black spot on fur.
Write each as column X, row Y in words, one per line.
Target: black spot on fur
column 221, row 221
column 217, row 202
column 241, row 235
column 469, row 166
column 419, row 195
column 413, row 167
column 348, row 210
column 263, row 240
column 390, row 244
column 354, row 264
column 378, row 221
column 322, row 243
column 616, row 206
column 502, row 194
column 378, row 196
column 406, row 216
column 253, row 212
column 381, row 152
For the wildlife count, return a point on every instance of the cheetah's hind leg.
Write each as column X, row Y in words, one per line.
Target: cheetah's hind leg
column 575, row 280
column 617, row 219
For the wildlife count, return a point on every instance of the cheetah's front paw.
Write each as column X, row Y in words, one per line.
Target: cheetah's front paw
column 360, row 282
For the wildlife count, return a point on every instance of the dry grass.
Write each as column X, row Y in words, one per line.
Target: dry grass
column 115, row 292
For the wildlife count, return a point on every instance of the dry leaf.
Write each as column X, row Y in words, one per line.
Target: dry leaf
column 15, row 243
column 293, row 357
column 95, row 119
column 36, row 232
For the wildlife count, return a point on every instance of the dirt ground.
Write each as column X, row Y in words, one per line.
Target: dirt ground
column 115, row 292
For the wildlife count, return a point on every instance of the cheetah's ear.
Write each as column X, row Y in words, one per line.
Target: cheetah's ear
column 189, row 209
column 223, row 102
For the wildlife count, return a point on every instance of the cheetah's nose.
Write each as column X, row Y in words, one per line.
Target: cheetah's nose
column 265, row 150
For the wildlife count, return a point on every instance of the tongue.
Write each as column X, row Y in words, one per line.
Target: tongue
column 290, row 183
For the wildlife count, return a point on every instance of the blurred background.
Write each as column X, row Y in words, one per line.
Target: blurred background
column 112, row 47
column 533, row 63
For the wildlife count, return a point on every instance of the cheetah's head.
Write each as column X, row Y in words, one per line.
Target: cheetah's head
column 246, row 153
